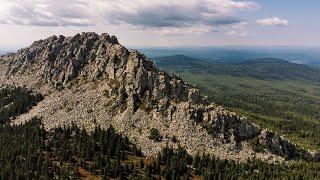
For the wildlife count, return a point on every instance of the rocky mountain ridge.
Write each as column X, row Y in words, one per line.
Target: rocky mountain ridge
column 92, row 80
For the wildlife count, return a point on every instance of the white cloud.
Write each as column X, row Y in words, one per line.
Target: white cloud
column 45, row 13
column 239, row 29
column 165, row 16
column 185, row 30
column 274, row 21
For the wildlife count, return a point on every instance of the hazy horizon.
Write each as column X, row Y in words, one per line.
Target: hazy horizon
column 297, row 54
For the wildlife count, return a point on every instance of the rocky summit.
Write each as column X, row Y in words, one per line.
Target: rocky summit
column 92, row 80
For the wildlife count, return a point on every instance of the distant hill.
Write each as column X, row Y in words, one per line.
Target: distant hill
column 178, row 60
column 264, row 60
column 230, row 54
column 278, row 69
column 259, row 68
column 182, row 63
column 315, row 64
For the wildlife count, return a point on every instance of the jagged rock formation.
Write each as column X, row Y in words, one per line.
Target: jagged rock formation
column 91, row 80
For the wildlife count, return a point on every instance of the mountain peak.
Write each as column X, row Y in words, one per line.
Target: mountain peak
column 60, row 59
column 91, row 80
column 78, row 37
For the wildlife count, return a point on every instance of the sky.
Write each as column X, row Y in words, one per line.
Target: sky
column 169, row 23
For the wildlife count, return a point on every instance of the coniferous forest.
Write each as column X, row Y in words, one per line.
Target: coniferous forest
column 15, row 101
column 28, row 151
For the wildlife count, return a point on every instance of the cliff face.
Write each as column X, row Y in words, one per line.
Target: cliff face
column 91, row 80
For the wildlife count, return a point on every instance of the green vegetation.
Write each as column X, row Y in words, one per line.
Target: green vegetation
column 155, row 135
column 179, row 165
column 273, row 93
column 262, row 69
column 15, row 101
column 174, row 139
column 30, row 152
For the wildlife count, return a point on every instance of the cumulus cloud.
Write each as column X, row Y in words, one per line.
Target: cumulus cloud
column 239, row 29
column 45, row 13
column 274, row 21
column 166, row 16
column 168, row 13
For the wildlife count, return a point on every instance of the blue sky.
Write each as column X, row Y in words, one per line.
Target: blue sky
column 165, row 22
column 303, row 25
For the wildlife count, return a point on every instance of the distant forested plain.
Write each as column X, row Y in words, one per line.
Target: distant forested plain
column 276, row 94
column 233, row 54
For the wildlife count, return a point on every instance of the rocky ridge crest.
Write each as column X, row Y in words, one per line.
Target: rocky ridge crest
column 92, row 80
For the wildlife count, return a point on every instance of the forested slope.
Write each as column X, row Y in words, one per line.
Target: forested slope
column 15, row 101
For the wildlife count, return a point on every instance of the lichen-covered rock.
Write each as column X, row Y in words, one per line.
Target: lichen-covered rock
column 278, row 145
column 314, row 155
column 193, row 96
